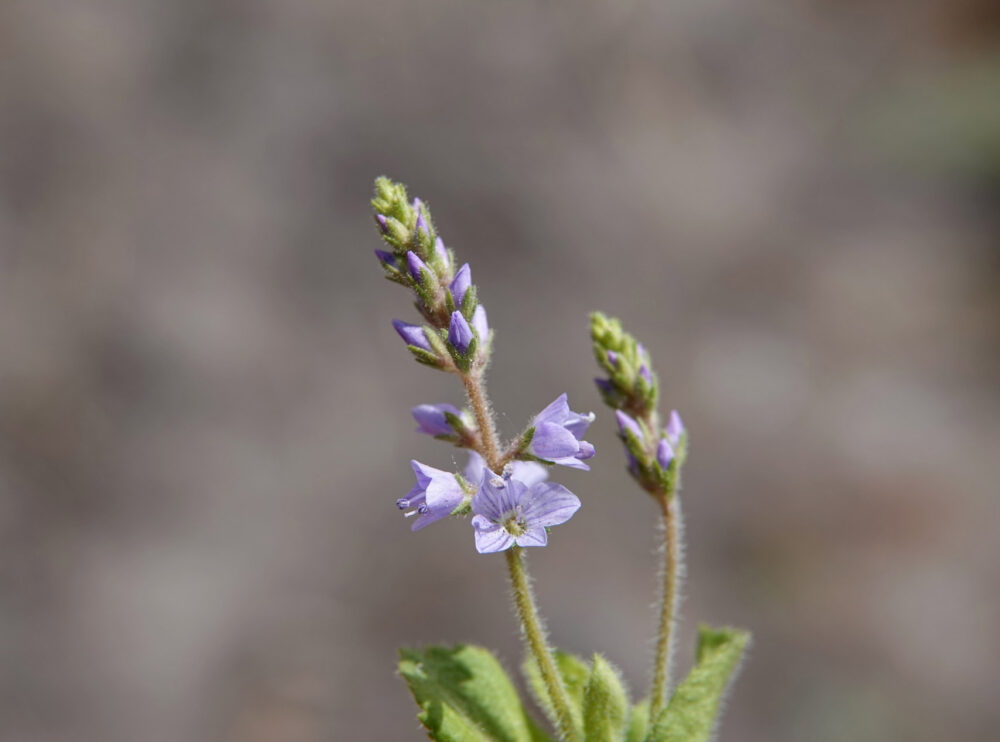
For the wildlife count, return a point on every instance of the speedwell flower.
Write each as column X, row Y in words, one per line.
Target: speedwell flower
column 433, row 497
column 558, row 433
column 507, row 511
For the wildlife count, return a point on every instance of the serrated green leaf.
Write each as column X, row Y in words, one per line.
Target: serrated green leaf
column 638, row 722
column 694, row 707
column 574, row 673
column 465, row 696
column 605, row 703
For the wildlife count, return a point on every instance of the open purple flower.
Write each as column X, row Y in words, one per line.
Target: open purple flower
column 431, row 418
column 508, row 511
column 558, row 434
column 433, row 497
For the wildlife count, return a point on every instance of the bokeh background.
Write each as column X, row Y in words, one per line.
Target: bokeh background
column 204, row 410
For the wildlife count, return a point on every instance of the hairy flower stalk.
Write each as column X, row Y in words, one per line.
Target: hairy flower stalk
column 655, row 456
column 513, row 506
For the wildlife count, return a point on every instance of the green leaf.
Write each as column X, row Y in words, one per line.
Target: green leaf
column 605, row 703
column 638, row 722
column 465, row 696
column 574, row 673
column 691, row 714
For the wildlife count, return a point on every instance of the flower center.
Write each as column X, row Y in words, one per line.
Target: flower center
column 514, row 523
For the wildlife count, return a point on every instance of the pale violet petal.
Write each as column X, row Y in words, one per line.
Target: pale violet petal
column 533, row 537
column 549, row 504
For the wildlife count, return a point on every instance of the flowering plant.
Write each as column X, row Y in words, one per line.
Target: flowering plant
column 463, row 692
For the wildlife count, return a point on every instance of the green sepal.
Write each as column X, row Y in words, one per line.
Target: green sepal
column 437, row 340
column 449, row 302
column 425, row 357
column 464, row 695
column 465, row 361
column 692, row 712
column 463, row 508
column 470, row 302
column 605, row 703
column 574, row 673
column 638, row 722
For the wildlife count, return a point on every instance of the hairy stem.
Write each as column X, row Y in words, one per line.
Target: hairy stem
column 535, row 638
column 672, row 573
column 475, row 387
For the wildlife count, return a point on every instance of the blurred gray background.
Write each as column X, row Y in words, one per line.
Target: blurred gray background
column 204, row 411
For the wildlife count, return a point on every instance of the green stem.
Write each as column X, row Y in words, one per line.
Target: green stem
column 535, row 638
column 475, row 387
column 672, row 571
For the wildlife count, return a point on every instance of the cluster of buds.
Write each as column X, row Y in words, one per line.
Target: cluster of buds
column 655, row 453
column 455, row 335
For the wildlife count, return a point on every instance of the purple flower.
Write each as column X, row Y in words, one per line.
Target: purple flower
column 628, row 423
column 416, row 266
column 558, row 433
column 433, row 497
column 664, row 453
column 383, row 224
column 431, row 418
column 508, row 512
column 645, row 374
column 442, row 253
column 460, row 284
column 528, row 473
column 386, row 258
column 459, row 332
column 421, row 222
column 479, row 323
column 604, row 385
column 675, row 428
column 412, row 334
column 613, row 358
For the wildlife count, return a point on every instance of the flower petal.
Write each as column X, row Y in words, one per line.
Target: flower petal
column 490, row 500
column 571, row 462
column 473, row 471
column 549, row 504
column 490, row 537
column 553, row 441
column 556, row 412
column 533, row 537
column 529, row 473
column 431, row 419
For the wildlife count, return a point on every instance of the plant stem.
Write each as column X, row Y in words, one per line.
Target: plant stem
column 535, row 637
column 672, row 573
column 475, row 387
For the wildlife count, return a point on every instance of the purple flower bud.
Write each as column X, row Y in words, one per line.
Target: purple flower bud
column 628, row 424
column 386, row 258
column 461, row 283
column 664, row 453
column 421, row 222
column 558, row 434
column 604, row 385
column 459, row 333
column 431, row 418
column 675, row 427
column 644, row 373
column 382, row 223
column 613, row 358
column 412, row 334
column 442, row 252
column 416, row 265
column 480, row 324
column 434, row 496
